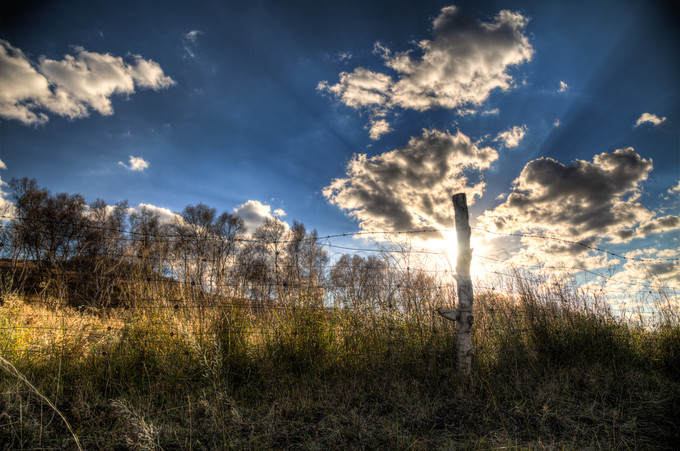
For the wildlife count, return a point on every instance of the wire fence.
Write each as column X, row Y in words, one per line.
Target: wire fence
column 189, row 276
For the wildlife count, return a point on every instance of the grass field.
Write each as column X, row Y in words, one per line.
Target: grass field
column 549, row 372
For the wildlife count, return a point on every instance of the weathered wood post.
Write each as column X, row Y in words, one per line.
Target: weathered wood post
column 463, row 314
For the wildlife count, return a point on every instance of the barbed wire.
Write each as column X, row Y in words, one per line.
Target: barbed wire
column 211, row 237
column 577, row 243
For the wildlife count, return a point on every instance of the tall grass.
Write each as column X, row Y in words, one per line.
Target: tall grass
column 553, row 368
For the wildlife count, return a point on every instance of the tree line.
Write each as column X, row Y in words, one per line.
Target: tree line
column 59, row 247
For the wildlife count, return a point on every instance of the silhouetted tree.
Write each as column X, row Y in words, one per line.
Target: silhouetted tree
column 47, row 230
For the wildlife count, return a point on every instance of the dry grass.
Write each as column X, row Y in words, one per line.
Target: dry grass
column 551, row 370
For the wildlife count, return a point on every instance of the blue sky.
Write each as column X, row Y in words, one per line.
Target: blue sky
column 361, row 115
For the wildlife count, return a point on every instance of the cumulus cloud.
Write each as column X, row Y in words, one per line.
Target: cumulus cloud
column 361, row 88
column 165, row 214
column 585, row 202
column 135, row 164
column 513, row 136
column 563, row 87
column 71, row 87
column 576, row 201
column 254, row 212
column 378, row 127
column 464, row 62
column 411, row 187
column 674, row 189
column 649, row 118
column 662, row 224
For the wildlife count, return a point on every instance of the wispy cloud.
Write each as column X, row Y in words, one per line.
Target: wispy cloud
column 410, row 187
column 512, row 137
column 563, row 87
column 649, row 118
column 135, row 164
column 343, row 57
column 458, row 68
column 557, row 123
column 71, row 87
column 493, row 111
column 189, row 41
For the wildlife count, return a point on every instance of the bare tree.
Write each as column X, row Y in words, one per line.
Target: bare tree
column 228, row 230
column 363, row 282
column 261, row 260
column 47, row 230
column 305, row 261
column 149, row 255
column 102, row 252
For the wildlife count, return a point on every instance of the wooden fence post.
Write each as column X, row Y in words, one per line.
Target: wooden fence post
column 463, row 314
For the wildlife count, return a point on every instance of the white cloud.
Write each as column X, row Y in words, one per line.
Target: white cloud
column 674, row 189
column 379, row 49
column 70, row 87
column 464, row 62
column 166, row 215
column 23, row 88
column 563, row 87
column 378, row 128
column 512, row 137
column 465, row 111
column 491, row 112
column 135, row 164
column 651, row 118
column 411, row 187
column 254, row 212
column 361, row 88
column 557, row 123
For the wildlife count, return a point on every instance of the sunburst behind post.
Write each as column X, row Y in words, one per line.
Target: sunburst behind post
column 463, row 314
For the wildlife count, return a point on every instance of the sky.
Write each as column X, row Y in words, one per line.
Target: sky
column 557, row 119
